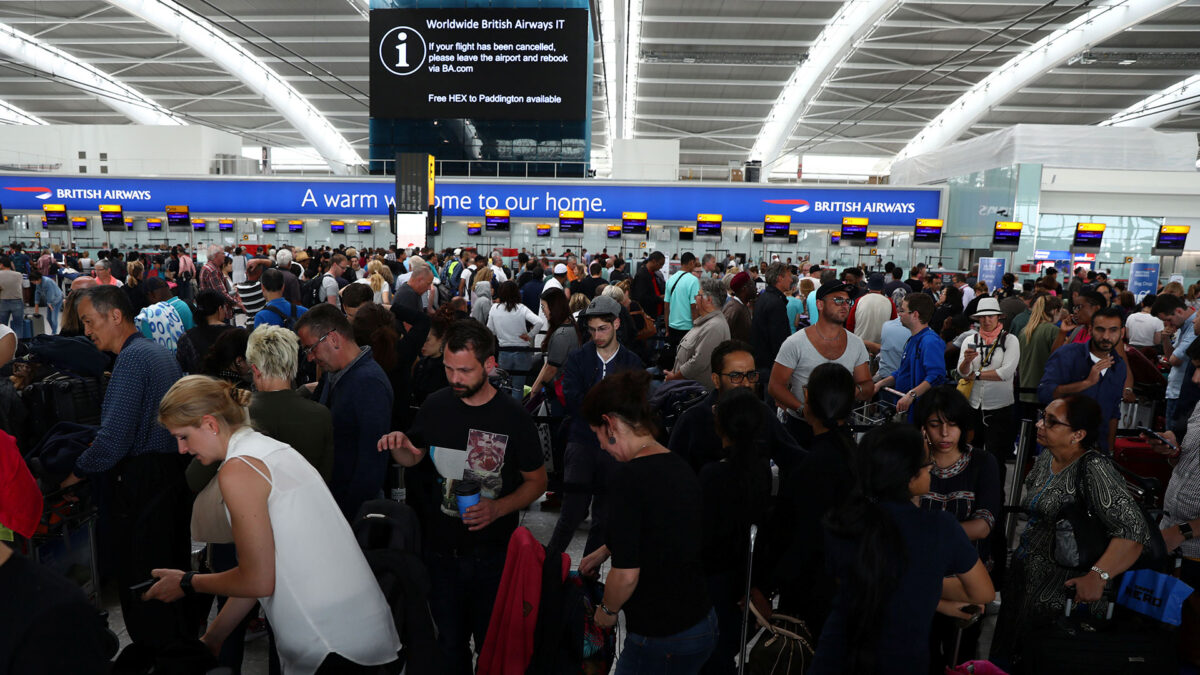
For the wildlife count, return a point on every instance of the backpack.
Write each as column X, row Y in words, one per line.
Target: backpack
column 310, row 291
column 289, row 322
column 389, row 535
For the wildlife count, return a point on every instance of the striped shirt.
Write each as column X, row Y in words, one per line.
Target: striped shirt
column 1182, row 500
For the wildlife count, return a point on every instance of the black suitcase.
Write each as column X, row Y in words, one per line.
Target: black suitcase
column 1128, row 646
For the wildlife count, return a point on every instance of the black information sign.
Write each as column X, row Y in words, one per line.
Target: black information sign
column 482, row 63
column 414, row 182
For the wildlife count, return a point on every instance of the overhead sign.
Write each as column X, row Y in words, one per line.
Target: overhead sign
column 414, row 181
column 887, row 207
column 1171, row 240
column 480, row 63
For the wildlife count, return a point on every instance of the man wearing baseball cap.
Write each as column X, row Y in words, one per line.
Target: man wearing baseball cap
column 826, row 341
column 587, row 467
column 46, row 623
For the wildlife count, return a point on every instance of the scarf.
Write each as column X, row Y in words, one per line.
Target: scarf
column 990, row 336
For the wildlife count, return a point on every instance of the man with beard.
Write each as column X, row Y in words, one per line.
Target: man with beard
column 465, row 554
column 586, row 467
column 826, row 341
column 359, row 397
column 1091, row 368
column 693, row 436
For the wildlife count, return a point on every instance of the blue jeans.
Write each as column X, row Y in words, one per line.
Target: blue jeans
column 462, row 591
column 52, row 312
column 517, row 364
column 682, row 653
column 12, row 314
column 1172, row 406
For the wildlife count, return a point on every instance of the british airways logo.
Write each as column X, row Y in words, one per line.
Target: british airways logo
column 800, row 204
column 45, row 191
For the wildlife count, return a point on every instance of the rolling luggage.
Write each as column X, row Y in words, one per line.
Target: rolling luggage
column 1126, row 645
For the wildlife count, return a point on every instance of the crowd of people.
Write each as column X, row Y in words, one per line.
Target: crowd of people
column 319, row 369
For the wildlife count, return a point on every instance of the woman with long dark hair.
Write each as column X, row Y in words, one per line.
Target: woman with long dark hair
column 563, row 339
column 949, row 305
column 893, row 562
column 792, row 558
column 514, row 326
column 734, row 495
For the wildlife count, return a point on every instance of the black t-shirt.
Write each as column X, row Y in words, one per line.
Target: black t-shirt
column 40, row 615
column 589, row 285
column 655, row 526
column 500, row 440
column 935, row 547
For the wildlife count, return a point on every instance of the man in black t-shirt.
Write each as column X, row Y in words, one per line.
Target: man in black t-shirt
column 468, row 432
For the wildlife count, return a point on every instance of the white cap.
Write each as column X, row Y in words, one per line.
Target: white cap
column 560, row 268
column 458, row 251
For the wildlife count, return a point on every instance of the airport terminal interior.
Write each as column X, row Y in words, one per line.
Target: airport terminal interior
column 517, row 315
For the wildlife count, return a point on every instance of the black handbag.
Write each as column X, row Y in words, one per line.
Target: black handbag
column 1079, row 536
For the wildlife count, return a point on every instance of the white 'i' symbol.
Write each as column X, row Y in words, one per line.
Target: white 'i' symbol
column 402, row 52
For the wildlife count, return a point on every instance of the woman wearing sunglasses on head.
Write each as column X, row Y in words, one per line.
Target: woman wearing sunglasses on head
column 1037, row 587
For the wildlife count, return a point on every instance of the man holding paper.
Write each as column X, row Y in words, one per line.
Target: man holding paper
column 483, row 446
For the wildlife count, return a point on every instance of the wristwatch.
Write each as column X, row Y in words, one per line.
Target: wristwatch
column 604, row 608
column 1186, row 530
column 1105, row 576
column 185, row 584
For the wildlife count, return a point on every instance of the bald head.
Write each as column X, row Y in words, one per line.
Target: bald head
column 82, row 282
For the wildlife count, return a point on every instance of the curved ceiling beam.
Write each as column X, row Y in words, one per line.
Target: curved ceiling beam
column 841, row 36
column 11, row 114
column 199, row 34
column 1103, row 21
column 65, row 68
column 1161, row 107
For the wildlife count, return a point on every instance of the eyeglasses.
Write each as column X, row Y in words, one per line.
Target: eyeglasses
column 838, row 301
column 1049, row 421
column 736, row 377
column 305, row 351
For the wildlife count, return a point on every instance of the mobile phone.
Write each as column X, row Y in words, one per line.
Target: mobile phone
column 970, row 609
column 1147, row 431
column 138, row 589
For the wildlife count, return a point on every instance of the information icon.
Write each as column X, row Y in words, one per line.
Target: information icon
column 402, row 51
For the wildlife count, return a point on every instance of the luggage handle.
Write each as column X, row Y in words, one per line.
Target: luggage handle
column 777, row 630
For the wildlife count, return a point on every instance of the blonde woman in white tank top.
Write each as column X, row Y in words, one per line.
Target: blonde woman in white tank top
column 296, row 552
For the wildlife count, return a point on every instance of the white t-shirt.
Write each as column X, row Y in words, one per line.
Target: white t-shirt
column 1141, row 328
column 329, row 286
column 510, row 325
column 799, row 354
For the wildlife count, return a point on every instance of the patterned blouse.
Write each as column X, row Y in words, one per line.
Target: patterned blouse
column 969, row 489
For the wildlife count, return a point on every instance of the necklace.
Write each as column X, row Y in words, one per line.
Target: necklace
column 827, row 339
column 638, row 452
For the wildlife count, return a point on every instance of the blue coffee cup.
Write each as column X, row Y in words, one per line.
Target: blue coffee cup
column 466, row 493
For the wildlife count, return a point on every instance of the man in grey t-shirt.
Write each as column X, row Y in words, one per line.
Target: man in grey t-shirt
column 826, row 341
column 329, row 284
